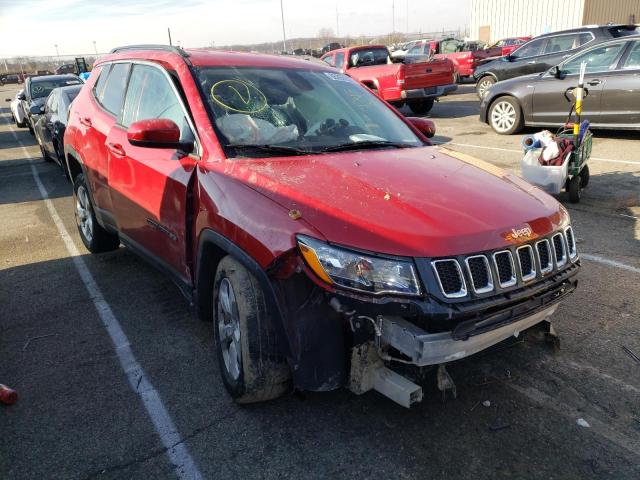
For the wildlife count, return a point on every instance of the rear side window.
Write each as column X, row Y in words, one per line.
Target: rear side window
column 598, row 59
column 103, row 73
column 562, row 43
column 633, row 58
column 373, row 56
column 150, row 96
column 339, row 59
column 112, row 94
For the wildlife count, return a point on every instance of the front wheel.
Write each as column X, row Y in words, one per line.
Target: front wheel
column 505, row 116
column 94, row 237
column 251, row 366
column 422, row 106
column 584, row 176
column 483, row 86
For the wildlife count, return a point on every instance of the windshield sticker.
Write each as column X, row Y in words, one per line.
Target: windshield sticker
column 238, row 96
column 37, row 88
column 338, row 77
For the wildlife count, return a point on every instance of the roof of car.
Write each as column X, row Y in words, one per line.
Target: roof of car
column 70, row 88
column 46, row 78
column 208, row 58
column 587, row 28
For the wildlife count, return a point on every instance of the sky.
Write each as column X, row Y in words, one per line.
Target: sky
column 34, row 27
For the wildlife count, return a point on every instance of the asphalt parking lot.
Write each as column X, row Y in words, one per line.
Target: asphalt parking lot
column 80, row 416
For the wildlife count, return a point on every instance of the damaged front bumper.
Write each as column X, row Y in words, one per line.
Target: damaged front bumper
column 424, row 348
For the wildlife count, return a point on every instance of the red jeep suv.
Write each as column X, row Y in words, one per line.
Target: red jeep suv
column 315, row 227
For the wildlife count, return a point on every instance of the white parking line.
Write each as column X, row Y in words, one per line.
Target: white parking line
column 177, row 452
column 611, row 263
column 483, row 147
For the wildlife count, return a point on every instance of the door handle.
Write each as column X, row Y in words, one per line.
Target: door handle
column 532, row 62
column 566, row 56
column 594, row 82
column 116, row 149
column 86, row 121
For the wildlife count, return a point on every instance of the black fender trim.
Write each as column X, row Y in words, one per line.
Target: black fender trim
column 209, row 236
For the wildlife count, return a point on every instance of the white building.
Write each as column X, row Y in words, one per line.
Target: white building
column 492, row 20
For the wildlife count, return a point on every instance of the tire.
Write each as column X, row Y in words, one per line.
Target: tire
column 457, row 79
column 574, row 189
column 483, row 85
column 422, row 106
column 246, row 345
column 505, row 116
column 94, row 237
column 584, row 176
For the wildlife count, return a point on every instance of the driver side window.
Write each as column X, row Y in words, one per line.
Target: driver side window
column 530, row 49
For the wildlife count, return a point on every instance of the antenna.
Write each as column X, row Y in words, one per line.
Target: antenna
column 169, row 32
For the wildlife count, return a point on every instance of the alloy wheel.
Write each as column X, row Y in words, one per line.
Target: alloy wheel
column 483, row 86
column 229, row 329
column 503, row 116
column 83, row 213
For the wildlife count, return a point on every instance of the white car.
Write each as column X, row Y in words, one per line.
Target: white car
column 16, row 110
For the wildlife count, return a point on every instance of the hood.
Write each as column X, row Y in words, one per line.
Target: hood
column 411, row 202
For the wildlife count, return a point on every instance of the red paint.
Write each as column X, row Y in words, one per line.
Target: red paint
column 390, row 80
column 8, row 396
column 410, row 202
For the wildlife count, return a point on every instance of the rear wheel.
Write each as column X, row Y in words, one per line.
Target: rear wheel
column 421, row 106
column 584, row 176
column 246, row 345
column 94, row 237
column 505, row 116
column 574, row 189
column 483, row 85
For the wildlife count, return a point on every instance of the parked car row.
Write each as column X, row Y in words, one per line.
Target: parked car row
column 544, row 99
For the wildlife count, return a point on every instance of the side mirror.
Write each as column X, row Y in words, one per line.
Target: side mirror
column 157, row 133
column 424, row 126
column 36, row 109
column 556, row 72
column 22, row 96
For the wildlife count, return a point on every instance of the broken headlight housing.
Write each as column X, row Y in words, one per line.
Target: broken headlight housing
column 358, row 271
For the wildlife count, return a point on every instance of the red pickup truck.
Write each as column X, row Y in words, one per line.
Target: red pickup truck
column 415, row 83
column 466, row 56
column 314, row 227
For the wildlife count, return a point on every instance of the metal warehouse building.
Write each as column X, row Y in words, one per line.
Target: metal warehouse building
column 492, row 20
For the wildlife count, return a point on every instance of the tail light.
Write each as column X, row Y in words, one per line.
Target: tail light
column 400, row 75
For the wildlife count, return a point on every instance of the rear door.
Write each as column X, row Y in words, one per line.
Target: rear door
column 45, row 123
column 621, row 92
column 148, row 186
column 549, row 103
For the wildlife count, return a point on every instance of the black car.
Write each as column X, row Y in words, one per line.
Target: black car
column 36, row 91
column 543, row 52
column 331, row 46
column 544, row 99
column 10, row 78
column 50, row 127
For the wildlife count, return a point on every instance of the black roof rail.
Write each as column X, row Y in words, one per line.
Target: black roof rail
column 166, row 48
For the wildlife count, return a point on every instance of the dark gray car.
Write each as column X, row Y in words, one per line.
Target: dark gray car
column 612, row 79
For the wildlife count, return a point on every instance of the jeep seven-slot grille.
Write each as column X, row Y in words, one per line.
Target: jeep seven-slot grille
column 480, row 273
column 504, row 266
column 485, row 272
column 558, row 248
column 450, row 277
column 527, row 265
column 571, row 245
column 544, row 255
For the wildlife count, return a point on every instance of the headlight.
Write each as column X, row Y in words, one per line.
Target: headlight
column 358, row 271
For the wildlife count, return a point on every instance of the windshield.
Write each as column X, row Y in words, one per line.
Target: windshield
column 42, row 88
column 297, row 111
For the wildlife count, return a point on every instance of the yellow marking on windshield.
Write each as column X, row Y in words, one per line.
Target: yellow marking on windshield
column 252, row 96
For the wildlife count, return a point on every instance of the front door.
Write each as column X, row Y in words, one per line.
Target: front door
column 621, row 92
column 149, row 186
column 549, row 103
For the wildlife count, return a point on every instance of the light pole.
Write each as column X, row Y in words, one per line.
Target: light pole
column 407, row 17
column 57, row 53
column 284, row 34
column 95, row 49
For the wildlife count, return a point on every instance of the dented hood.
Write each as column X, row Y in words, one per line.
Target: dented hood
column 412, row 202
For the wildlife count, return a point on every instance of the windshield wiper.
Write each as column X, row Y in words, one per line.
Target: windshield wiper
column 367, row 144
column 267, row 148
